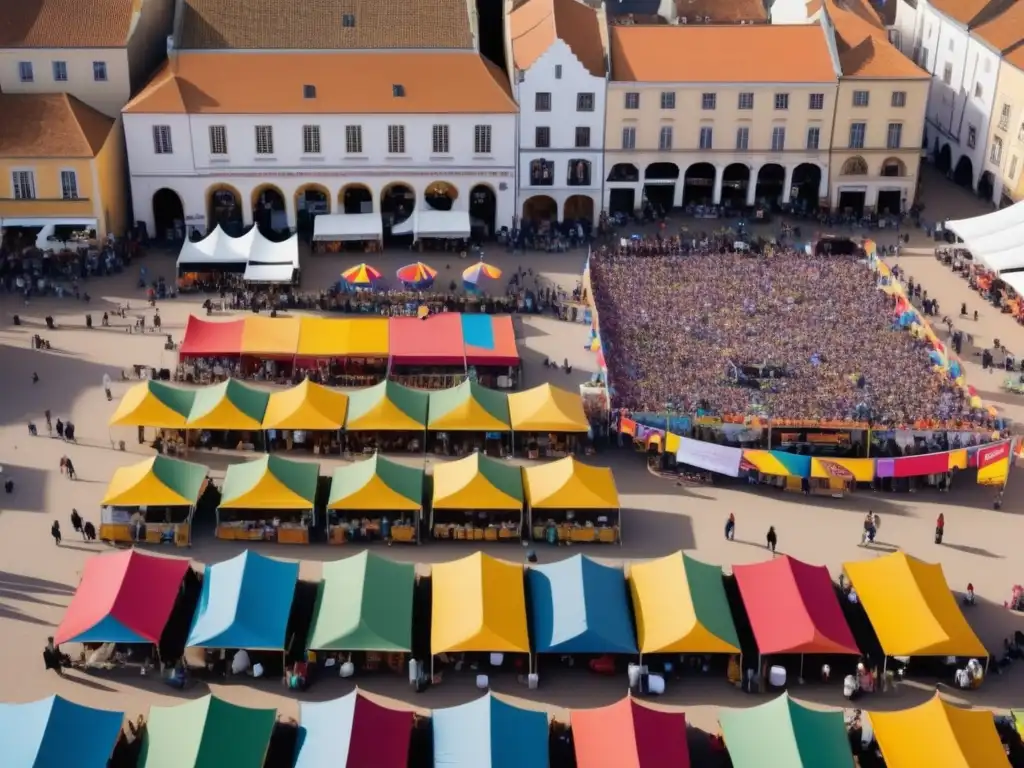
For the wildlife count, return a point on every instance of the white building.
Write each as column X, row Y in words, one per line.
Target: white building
column 559, row 64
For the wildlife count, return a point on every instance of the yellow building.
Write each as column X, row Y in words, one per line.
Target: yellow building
column 61, row 169
column 1003, row 175
column 732, row 114
column 880, row 114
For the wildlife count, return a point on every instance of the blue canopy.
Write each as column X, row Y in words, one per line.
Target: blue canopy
column 488, row 733
column 580, row 606
column 57, row 732
column 245, row 603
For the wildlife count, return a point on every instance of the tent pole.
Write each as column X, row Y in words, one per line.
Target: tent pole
column 801, row 678
column 760, row 676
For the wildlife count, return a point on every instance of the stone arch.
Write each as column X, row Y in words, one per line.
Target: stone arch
column 224, row 207
column 321, row 195
column 540, row 208
column 963, row 174
column 440, row 195
column 267, row 200
column 854, row 166
column 483, row 207
column 168, row 215
column 353, row 197
column 397, row 201
column 892, row 166
column 624, row 172
column 579, row 207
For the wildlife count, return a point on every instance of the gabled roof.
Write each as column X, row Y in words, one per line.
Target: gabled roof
column 66, row 23
column 970, row 12
column 536, row 24
column 863, row 43
column 50, row 125
column 1006, row 31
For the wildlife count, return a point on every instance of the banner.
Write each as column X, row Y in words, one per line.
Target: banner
column 918, row 466
column 988, row 455
column 710, row 456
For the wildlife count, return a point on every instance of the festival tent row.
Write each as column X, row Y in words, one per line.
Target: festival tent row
column 220, row 252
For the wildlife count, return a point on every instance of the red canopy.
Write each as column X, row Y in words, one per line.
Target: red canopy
column 380, row 736
column 433, row 340
column 125, row 597
column 793, row 608
column 205, row 338
column 629, row 735
column 490, row 340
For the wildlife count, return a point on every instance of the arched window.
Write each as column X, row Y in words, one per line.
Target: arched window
column 855, row 166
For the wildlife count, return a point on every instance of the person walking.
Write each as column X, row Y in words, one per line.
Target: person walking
column 71, row 469
column 940, row 528
column 55, row 532
column 771, row 539
column 60, row 428
column 76, row 522
column 730, row 527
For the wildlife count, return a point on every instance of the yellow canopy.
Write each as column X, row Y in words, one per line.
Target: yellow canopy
column 270, row 483
column 156, row 482
column 306, row 406
column 568, row 484
column 477, row 482
column 911, row 608
column 547, row 409
column 479, row 605
column 323, row 337
column 153, row 404
column 272, row 336
column 938, row 735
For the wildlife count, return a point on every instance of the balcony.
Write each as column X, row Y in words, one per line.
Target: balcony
column 49, row 208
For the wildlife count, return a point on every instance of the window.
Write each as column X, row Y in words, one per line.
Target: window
column 706, row 137
column 746, row 101
column 218, row 140
column 162, row 140
column 782, row 101
column 482, row 140
column 742, row 138
column 816, row 101
column 899, row 99
column 24, row 183
column 947, row 73
column 857, row 132
column 558, row 71
column 709, row 100
column 813, row 137
column 997, row 151
column 99, row 71
column 25, row 73
column 348, row 20
column 972, row 136
column 440, row 140
column 396, row 139
column 353, row 139
column 60, row 71
column 668, row 99
column 582, row 137
column 68, row 185
column 978, row 91
column 264, row 140
column 1013, row 168
column 925, row 53
column 311, row 139
column 398, row 91
column 629, row 138
column 584, row 102
column 665, row 137
column 860, row 98
column 778, row 138
column 894, row 136
column 309, row 91
column 632, row 101
column 542, row 137
column 1004, row 118
column 579, row 172
column 542, row 102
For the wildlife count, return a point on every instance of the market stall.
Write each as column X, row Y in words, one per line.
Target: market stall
column 268, row 348
column 346, row 352
column 489, row 732
column 467, row 418
column 228, row 415
column 547, row 422
column 336, row 232
column 780, row 469
column 307, row 417
column 35, row 733
column 629, row 734
column 491, row 351
column 570, row 501
column 386, row 417
column 353, row 730
column 269, row 499
column 205, row 264
column 477, row 499
column 210, row 351
column 428, row 352
column 375, row 499
column 152, row 403
column 273, row 262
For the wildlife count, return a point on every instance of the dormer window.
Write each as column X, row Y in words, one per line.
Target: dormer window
column 348, row 20
column 309, row 91
column 398, row 91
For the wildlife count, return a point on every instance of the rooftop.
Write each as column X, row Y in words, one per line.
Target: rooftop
column 722, row 11
column 720, row 54
column 65, row 23
column 535, row 24
column 342, row 83
column 42, row 126
column 863, row 43
column 325, row 25
column 970, row 12
column 1006, row 31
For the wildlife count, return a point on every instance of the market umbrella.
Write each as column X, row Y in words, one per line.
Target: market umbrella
column 418, row 274
column 361, row 275
column 472, row 276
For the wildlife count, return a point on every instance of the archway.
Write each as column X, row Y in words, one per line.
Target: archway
column 224, row 207
column 397, row 202
column 699, row 184
column 771, row 179
column 440, row 195
column 735, row 182
column 355, row 198
column 805, row 188
column 660, row 185
column 268, row 210
column 944, row 158
column 854, row 166
column 540, row 208
column 311, row 200
column 624, row 172
column 579, row 208
column 168, row 215
column 893, row 167
column 964, row 173
column 483, row 209
column 986, row 185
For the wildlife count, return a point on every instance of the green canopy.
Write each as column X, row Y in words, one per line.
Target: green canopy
column 270, row 483
column 387, row 407
column 206, row 733
column 469, row 407
column 364, row 603
column 377, row 484
column 154, row 404
column 794, row 735
column 228, row 405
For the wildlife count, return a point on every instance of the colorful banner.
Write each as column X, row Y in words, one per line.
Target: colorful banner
column 779, row 463
column 918, row 466
column 710, row 456
column 858, row 470
column 994, row 463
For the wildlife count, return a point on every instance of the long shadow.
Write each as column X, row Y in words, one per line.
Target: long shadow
column 980, row 551
column 18, row 582
column 8, row 612
column 85, row 682
column 29, row 493
column 6, row 594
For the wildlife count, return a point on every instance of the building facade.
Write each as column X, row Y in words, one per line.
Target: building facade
column 1005, row 150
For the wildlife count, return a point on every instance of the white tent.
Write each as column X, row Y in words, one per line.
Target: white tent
column 269, row 273
column 264, row 251
column 441, row 224
column 218, row 247
column 995, row 239
column 341, row 227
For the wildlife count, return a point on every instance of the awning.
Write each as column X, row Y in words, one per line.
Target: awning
column 306, row 406
column 378, row 484
column 468, row 407
column 793, row 608
column 156, row 482
column 346, row 227
column 353, row 731
column 216, row 251
column 265, row 336
column 629, row 735
column 207, row 338
column 580, row 606
column 432, row 340
column 267, row 251
column 124, row 597
column 281, row 274
column 270, row 482
column 452, row 225
column 488, row 733
column 322, row 337
column 857, row 470
column 911, row 607
column 479, row 483
column 794, row 735
column 779, row 463
column 489, row 340
column 479, row 605
column 245, row 603
column 206, row 733
column 57, row 732
column 710, row 456
column 940, row 735
column 570, row 484
column 229, row 405
column 681, row 607
column 547, row 409
column 154, row 404
column 364, row 603
column 387, row 407
column 995, row 239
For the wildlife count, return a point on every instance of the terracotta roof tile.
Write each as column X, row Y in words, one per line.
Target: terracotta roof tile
column 45, row 125
column 536, row 24
column 321, row 24
column 863, row 44
column 345, row 83
column 1006, row 31
column 720, row 54
column 964, row 11
column 65, row 23
column 722, row 11
column 1016, row 58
